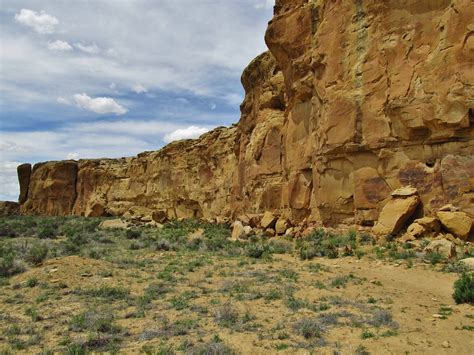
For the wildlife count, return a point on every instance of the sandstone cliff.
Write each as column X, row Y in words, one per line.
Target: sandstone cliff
column 354, row 100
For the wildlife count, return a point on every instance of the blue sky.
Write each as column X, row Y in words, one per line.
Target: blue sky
column 112, row 78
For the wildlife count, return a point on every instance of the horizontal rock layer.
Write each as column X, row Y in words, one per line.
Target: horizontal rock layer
column 354, row 100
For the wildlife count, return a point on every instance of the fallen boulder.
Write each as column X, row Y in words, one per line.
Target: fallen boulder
column 237, row 230
column 443, row 247
column 397, row 212
column 458, row 223
column 468, row 262
column 281, row 226
column 113, row 224
column 268, row 220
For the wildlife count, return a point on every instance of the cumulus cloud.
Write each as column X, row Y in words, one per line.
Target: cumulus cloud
column 99, row 104
column 139, row 89
column 190, row 132
column 40, row 22
column 88, row 48
column 61, row 46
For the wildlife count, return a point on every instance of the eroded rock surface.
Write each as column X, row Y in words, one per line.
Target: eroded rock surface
column 354, row 100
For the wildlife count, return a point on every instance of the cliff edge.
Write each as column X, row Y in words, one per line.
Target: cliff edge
column 354, row 100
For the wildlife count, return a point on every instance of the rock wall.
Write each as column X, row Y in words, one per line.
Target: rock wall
column 356, row 99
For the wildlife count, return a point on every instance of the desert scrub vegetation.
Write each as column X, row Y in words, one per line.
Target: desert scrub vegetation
column 321, row 243
column 464, row 288
column 72, row 287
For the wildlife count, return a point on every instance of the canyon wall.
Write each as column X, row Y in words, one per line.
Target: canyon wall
column 355, row 99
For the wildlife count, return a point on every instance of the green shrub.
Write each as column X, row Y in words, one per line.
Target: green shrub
column 133, row 233
column 9, row 265
column 37, row 254
column 256, row 250
column 464, row 289
column 48, row 231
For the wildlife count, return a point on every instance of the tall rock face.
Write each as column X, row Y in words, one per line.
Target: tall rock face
column 379, row 94
column 354, row 99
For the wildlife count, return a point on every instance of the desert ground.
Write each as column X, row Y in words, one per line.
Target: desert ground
column 68, row 285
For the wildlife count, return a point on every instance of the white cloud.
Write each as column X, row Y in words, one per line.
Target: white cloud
column 72, row 156
column 61, row 46
column 90, row 49
column 190, row 132
column 40, row 22
column 99, row 104
column 63, row 101
column 139, row 89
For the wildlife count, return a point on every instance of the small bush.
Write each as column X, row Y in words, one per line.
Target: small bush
column 9, row 265
column 226, row 315
column 309, row 328
column 256, row 250
column 47, row 232
column 464, row 289
column 37, row 254
column 133, row 233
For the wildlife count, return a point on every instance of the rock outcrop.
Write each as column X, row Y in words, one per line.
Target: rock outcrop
column 354, row 100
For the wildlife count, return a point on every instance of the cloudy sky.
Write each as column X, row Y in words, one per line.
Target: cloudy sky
column 112, row 78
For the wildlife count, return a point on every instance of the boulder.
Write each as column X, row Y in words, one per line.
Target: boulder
column 405, row 191
column 396, row 214
column 281, row 226
column 458, row 223
column 468, row 262
column 254, row 220
column 269, row 232
column 442, row 246
column 416, row 230
column 244, row 219
column 159, row 216
column 290, row 232
column 430, row 223
column 449, row 208
column 113, row 224
column 237, row 230
column 268, row 220
column 248, row 230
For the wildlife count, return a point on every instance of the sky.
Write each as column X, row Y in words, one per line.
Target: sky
column 112, row 78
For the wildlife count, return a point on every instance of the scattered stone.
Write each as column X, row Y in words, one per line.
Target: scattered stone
column 270, row 232
column 281, row 226
column 458, row 223
column 159, row 216
column 442, row 246
column 290, row 232
column 254, row 220
column 244, row 219
column 445, row 344
column 237, row 230
column 113, row 224
column 268, row 220
column 248, row 230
